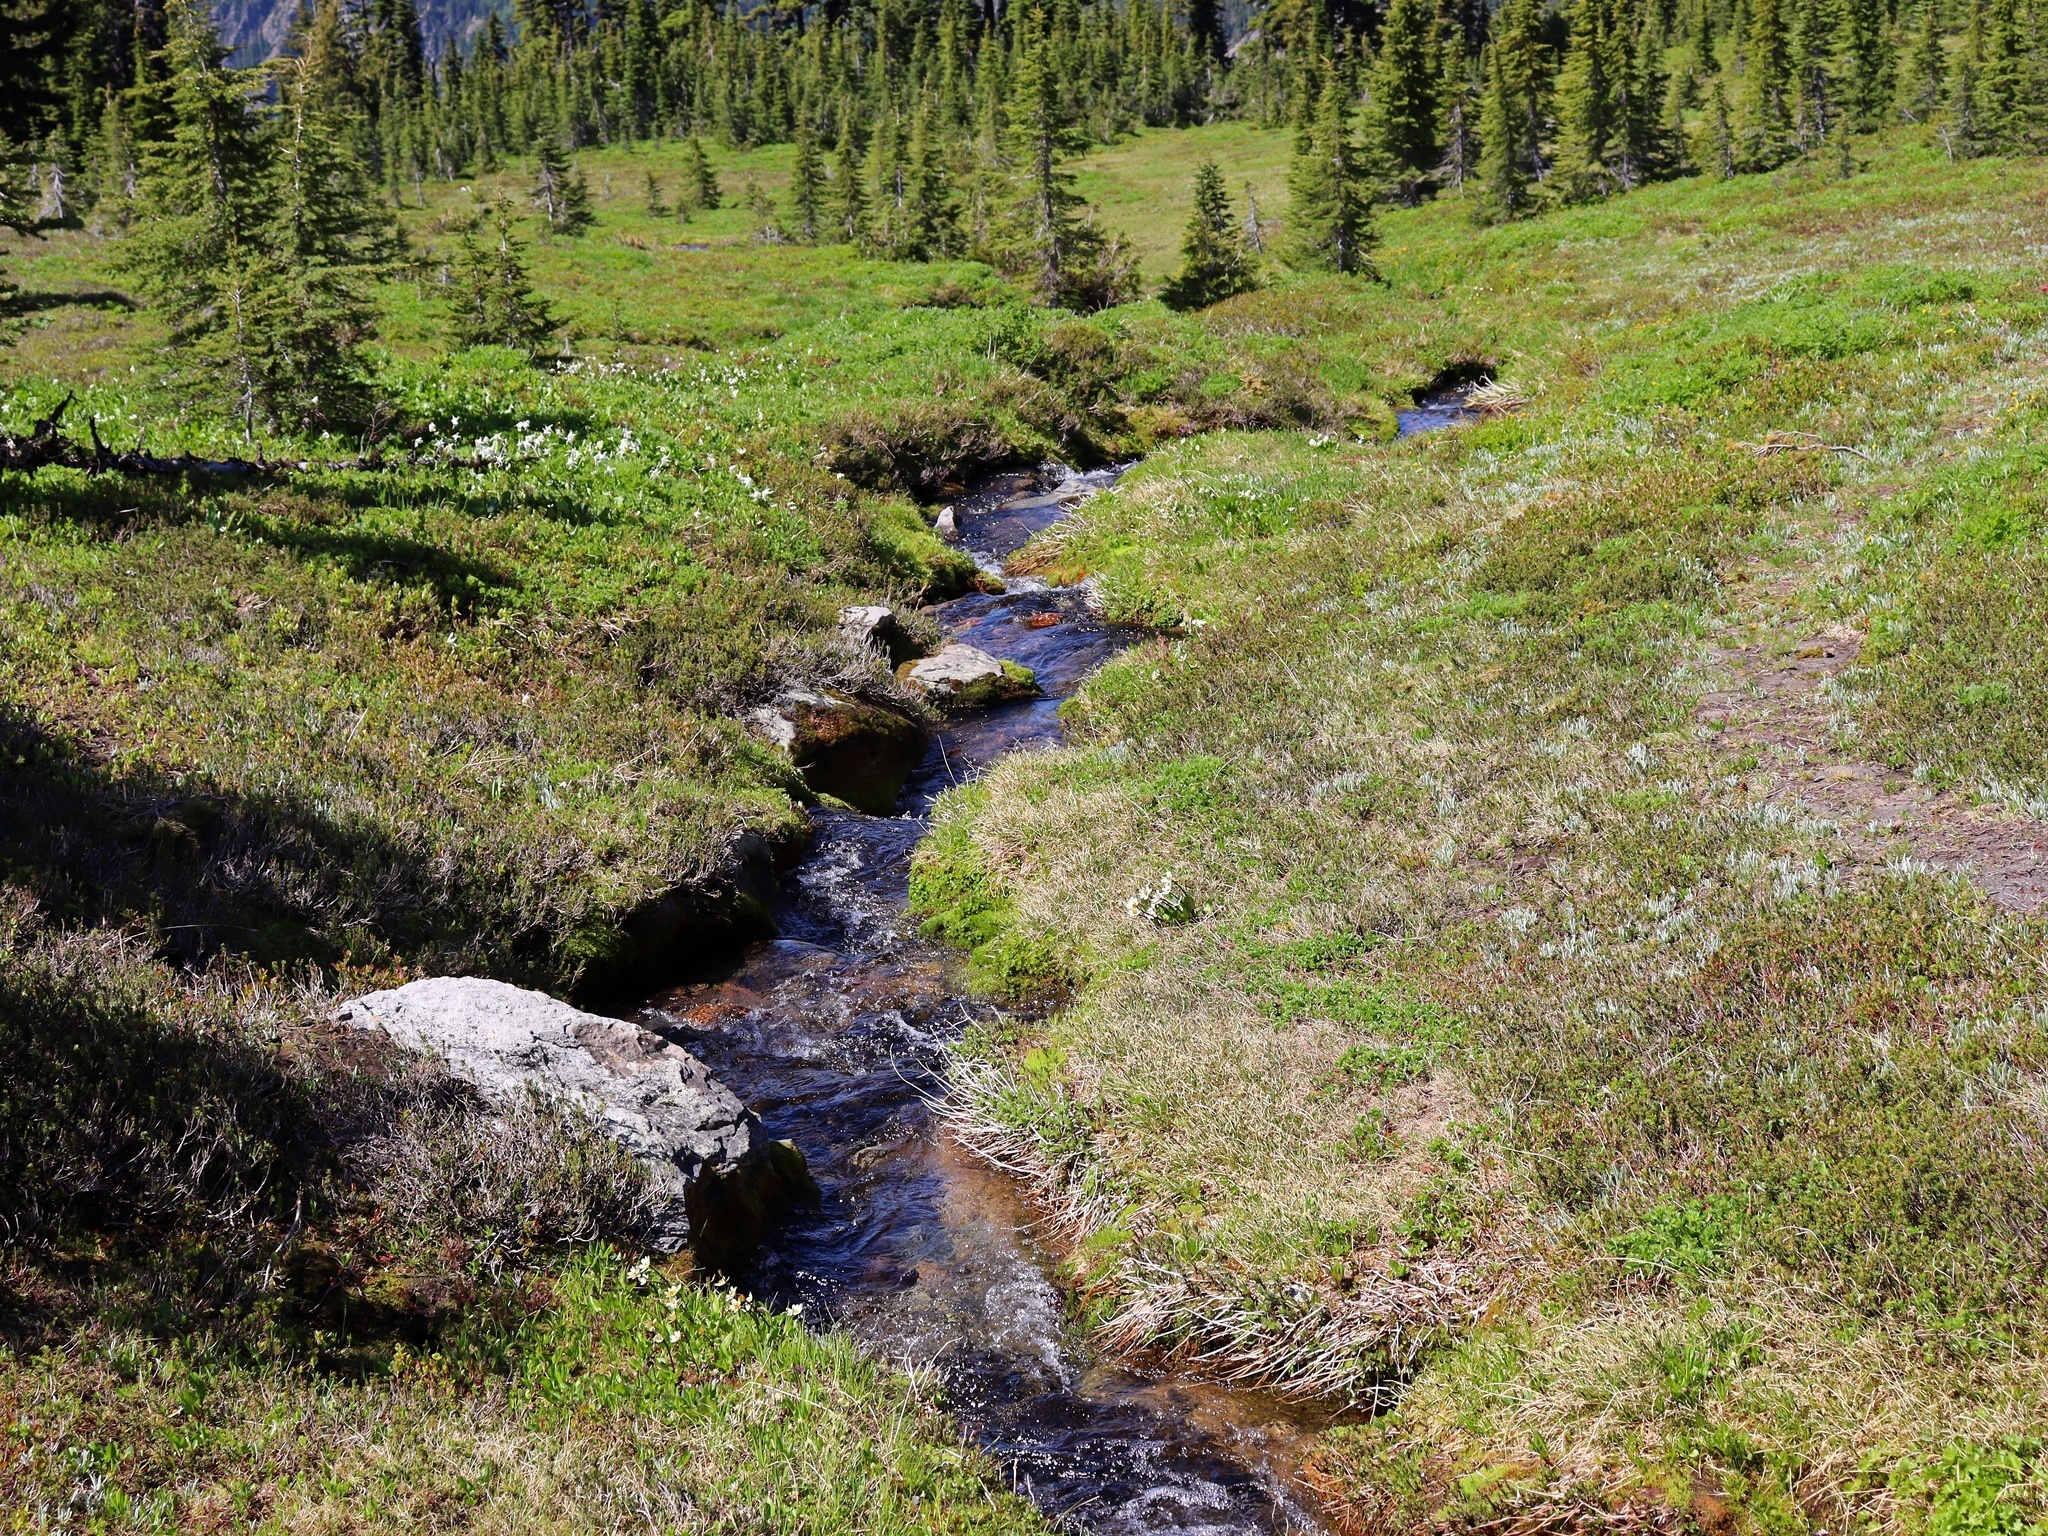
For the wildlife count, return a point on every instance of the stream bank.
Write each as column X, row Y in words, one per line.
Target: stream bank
column 837, row 1032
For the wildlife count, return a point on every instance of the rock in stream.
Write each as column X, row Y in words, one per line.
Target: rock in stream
column 721, row 1180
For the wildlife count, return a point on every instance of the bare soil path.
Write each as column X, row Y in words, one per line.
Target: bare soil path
column 1770, row 705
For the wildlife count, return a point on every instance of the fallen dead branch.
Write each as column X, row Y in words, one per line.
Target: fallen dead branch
column 1790, row 442
column 1494, row 399
column 47, row 447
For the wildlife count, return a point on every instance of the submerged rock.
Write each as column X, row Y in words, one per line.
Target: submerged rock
column 846, row 747
column 721, row 1181
column 963, row 677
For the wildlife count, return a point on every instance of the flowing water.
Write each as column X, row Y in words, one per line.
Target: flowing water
column 1445, row 408
column 837, row 1032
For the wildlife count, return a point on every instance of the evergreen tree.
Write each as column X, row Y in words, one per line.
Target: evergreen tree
column 491, row 302
column 15, row 213
column 806, row 187
column 1764, row 107
column 1763, row 110
column 1503, row 145
column 559, row 190
column 1960, row 89
column 1045, row 240
column 326, row 243
column 700, row 185
column 113, row 168
column 1643, row 147
column 197, row 251
column 1586, row 89
column 1329, row 211
column 1811, row 43
column 1401, row 114
column 1717, row 144
column 1921, row 70
column 1214, row 262
column 849, row 196
column 656, row 202
column 885, row 179
column 1867, row 63
column 1514, row 107
column 767, row 228
column 929, row 215
column 2000, row 91
column 1458, row 109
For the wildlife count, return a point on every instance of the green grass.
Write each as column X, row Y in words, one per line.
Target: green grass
column 1504, row 995
column 624, row 1397
column 1421, row 960
column 1140, row 187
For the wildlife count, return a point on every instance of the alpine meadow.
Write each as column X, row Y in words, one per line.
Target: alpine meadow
column 1107, row 765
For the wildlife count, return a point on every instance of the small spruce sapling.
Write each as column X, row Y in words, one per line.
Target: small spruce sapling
column 700, row 184
column 767, row 222
column 491, row 300
column 559, row 191
column 1214, row 262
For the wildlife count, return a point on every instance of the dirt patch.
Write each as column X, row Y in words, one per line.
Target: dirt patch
column 1772, row 713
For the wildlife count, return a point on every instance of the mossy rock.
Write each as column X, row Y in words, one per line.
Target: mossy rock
column 960, row 679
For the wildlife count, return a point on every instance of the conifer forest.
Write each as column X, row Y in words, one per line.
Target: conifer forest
column 1004, row 766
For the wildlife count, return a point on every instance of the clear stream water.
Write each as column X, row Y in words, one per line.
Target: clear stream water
column 836, row 1033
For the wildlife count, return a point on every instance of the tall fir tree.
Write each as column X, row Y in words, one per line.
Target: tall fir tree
column 1717, row 150
column 1329, row 209
column 197, row 249
column 1214, row 261
column 1959, row 89
column 1585, row 102
column 930, row 219
column 885, row 182
column 1867, row 54
column 1044, row 238
column 1763, row 108
column 1504, row 148
column 806, row 187
column 1643, row 147
column 1458, row 109
column 1400, row 126
column 328, row 242
column 2000, row 91
column 1922, row 67
column 849, row 192
column 1812, row 47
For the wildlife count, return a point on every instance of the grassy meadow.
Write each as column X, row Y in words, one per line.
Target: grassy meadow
column 1537, row 1042
column 1496, row 951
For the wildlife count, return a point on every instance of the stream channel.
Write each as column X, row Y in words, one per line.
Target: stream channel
column 836, row 1033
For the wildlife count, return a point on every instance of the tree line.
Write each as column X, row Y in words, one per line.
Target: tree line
column 256, row 206
column 1519, row 103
